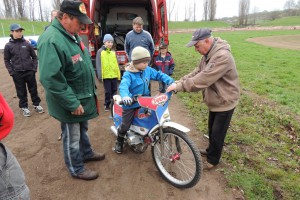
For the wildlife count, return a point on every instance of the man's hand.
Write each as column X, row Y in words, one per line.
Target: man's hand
column 172, row 87
column 78, row 111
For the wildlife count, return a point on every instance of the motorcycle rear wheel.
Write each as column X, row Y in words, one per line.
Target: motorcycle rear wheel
column 181, row 163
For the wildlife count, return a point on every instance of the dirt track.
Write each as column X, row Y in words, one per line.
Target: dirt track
column 128, row 176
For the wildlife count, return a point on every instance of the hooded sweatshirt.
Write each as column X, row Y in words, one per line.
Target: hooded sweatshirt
column 217, row 78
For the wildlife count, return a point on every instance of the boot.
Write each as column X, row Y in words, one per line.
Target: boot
column 119, row 145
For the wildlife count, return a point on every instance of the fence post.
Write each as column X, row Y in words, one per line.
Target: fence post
column 2, row 30
column 33, row 29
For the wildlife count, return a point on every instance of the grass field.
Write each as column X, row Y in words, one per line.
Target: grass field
column 262, row 145
column 31, row 28
column 284, row 21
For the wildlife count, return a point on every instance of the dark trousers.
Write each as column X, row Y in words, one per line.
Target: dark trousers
column 127, row 117
column 110, row 88
column 218, row 123
column 21, row 79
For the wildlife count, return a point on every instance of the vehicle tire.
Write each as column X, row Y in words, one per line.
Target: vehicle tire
column 181, row 164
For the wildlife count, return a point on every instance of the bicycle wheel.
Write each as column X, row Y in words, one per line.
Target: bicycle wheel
column 181, row 163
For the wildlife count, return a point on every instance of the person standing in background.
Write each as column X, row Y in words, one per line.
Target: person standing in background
column 138, row 37
column 108, row 69
column 21, row 62
column 164, row 63
column 53, row 15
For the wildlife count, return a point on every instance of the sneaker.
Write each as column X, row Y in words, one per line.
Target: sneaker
column 106, row 109
column 26, row 112
column 39, row 109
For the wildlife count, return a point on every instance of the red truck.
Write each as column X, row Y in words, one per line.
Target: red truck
column 115, row 17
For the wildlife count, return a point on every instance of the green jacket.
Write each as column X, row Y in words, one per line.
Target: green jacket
column 67, row 74
column 107, row 66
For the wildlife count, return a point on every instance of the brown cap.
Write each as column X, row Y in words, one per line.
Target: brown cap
column 199, row 34
column 77, row 9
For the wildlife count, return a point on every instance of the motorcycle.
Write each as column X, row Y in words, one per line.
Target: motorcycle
column 175, row 155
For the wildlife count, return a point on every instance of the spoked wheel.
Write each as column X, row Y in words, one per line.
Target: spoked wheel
column 179, row 162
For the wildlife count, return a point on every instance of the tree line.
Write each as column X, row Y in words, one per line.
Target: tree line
column 34, row 10
column 244, row 18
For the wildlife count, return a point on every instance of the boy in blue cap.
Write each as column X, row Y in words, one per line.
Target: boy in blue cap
column 108, row 69
column 21, row 62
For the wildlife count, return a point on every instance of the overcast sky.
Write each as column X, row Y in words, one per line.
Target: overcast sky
column 225, row 8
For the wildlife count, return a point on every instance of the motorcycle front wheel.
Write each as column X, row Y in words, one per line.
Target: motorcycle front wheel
column 177, row 158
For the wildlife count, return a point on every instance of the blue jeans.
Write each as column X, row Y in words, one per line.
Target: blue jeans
column 12, row 179
column 76, row 145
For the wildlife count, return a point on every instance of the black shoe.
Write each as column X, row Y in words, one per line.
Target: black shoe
column 119, row 145
column 203, row 152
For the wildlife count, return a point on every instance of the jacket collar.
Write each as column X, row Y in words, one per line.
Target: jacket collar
column 56, row 23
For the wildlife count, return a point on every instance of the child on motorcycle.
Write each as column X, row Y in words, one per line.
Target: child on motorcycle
column 135, row 82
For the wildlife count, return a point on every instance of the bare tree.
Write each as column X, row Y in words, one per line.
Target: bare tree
column 194, row 10
column 21, row 8
column 32, row 9
column 290, row 7
column 244, row 6
column 212, row 7
column 255, row 10
column 170, row 8
column 205, row 10
column 41, row 11
column 56, row 4
column 8, row 8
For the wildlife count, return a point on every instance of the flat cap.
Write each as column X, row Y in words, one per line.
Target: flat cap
column 77, row 9
column 199, row 34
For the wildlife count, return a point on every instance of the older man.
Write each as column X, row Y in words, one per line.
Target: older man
column 216, row 76
column 138, row 37
column 67, row 74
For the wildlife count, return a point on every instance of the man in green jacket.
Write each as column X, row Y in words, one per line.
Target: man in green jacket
column 67, row 74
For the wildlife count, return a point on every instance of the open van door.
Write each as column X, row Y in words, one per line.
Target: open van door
column 88, row 33
column 162, row 21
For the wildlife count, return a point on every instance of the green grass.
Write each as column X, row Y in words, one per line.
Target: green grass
column 31, row 28
column 196, row 25
column 284, row 21
column 262, row 144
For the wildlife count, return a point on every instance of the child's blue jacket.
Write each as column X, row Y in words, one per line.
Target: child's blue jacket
column 136, row 83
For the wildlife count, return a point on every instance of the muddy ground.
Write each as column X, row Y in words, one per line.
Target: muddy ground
column 33, row 141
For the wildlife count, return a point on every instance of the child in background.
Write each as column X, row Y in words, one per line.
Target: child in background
column 135, row 82
column 21, row 62
column 164, row 63
column 108, row 69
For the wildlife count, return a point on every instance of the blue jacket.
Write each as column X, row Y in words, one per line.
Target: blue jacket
column 136, row 83
column 134, row 39
column 166, row 64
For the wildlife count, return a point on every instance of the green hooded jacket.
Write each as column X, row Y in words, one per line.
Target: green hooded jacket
column 67, row 75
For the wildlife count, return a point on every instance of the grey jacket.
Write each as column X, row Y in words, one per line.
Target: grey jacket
column 12, row 179
column 217, row 78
